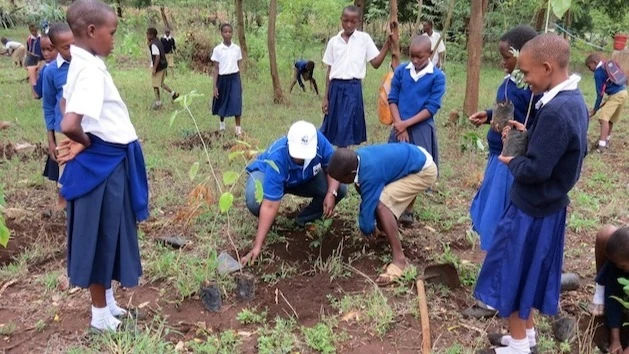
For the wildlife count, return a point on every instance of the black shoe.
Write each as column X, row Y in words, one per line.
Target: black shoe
column 476, row 311
column 406, row 218
column 175, row 95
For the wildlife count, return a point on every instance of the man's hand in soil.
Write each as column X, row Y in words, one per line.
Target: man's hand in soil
column 251, row 256
column 478, row 118
column 68, row 150
column 328, row 205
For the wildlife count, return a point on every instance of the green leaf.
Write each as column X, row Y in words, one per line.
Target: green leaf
column 226, row 202
column 623, row 281
column 479, row 145
column 327, row 223
column 232, row 155
column 2, row 201
column 623, row 302
column 259, row 191
column 560, row 7
column 5, row 234
column 193, row 171
column 273, row 165
column 230, row 177
column 172, row 117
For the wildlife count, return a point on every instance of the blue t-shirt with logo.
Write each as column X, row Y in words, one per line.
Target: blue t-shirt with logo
column 289, row 173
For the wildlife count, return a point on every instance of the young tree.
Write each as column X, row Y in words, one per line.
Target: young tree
column 240, row 26
column 278, row 97
column 395, row 29
column 474, row 52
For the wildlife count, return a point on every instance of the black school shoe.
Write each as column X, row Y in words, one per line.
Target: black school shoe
column 406, row 218
column 175, row 95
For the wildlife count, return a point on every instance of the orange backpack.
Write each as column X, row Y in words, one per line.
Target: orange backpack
column 384, row 113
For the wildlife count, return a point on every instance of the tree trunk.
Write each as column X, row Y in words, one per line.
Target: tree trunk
column 395, row 30
column 119, row 8
column 361, row 5
column 418, row 23
column 162, row 11
column 242, row 41
column 278, row 97
column 474, row 50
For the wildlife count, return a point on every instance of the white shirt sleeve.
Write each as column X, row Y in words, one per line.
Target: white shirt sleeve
column 88, row 94
column 372, row 51
column 328, row 56
column 442, row 45
column 154, row 50
column 239, row 53
column 215, row 55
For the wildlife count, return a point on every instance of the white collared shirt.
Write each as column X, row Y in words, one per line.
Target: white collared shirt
column 572, row 83
column 227, row 58
column 60, row 60
column 12, row 45
column 90, row 91
column 348, row 60
column 357, row 170
column 600, row 63
column 415, row 75
column 442, row 46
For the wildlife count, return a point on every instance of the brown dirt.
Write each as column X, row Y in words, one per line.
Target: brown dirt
column 8, row 151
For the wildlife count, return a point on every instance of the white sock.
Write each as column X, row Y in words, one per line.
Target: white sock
column 238, row 130
column 115, row 310
column 530, row 335
column 103, row 320
column 505, row 340
column 222, row 126
column 599, row 295
column 520, row 346
column 602, row 143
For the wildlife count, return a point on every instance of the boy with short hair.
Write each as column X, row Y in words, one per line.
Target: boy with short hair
column 346, row 56
column 170, row 48
column 435, row 37
column 388, row 178
column 15, row 50
column 34, row 57
column 609, row 112
column 159, row 67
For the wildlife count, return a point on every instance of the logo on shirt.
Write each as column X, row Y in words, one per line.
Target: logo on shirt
column 316, row 169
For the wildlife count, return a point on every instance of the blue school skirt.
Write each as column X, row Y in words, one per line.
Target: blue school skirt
column 229, row 101
column 424, row 135
column 344, row 125
column 522, row 270
column 51, row 169
column 102, row 235
column 491, row 200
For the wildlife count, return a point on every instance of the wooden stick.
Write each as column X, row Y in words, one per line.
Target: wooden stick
column 423, row 313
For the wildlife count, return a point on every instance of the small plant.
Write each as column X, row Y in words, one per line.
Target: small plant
column 49, row 281
column 317, row 231
column 5, row 234
column 321, row 337
column 278, row 340
column 40, row 325
column 471, row 141
column 374, row 306
column 406, row 282
column 284, row 272
column 133, row 338
column 7, row 329
column 228, row 342
column 248, row 316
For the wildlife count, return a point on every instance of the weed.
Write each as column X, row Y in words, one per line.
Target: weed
column 406, row 282
column 455, row 348
column 226, row 343
column 49, row 281
column 284, row 272
column 7, row 329
column 373, row 305
column 321, row 337
column 133, row 338
column 40, row 326
column 248, row 316
column 279, row 339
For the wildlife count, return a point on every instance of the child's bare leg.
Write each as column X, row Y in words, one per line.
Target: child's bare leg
column 237, row 121
column 166, row 88
column 32, row 74
column 388, row 224
column 238, row 128
column 157, row 96
column 292, row 83
column 604, row 131
column 609, row 132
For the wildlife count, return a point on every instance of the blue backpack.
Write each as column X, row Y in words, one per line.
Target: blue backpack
column 614, row 73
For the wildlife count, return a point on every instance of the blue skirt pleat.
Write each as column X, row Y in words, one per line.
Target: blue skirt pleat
column 102, row 235
column 51, row 169
column 491, row 200
column 344, row 125
column 229, row 101
column 522, row 270
column 424, row 135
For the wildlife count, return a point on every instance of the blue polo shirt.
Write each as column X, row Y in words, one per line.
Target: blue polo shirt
column 55, row 78
column 289, row 174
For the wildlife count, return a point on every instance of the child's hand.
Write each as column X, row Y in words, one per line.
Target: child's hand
column 216, row 92
column 251, row 256
column 52, row 150
column 328, row 205
column 615, row 347
column 399, row 127
column 505, row 159
column 324, row 105
column 478, row 118
column 592, row 113
column 403, row 137
column 68, row 150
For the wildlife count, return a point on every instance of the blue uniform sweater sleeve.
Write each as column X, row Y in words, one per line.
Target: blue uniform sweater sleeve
column 370, row 197
column 49, row 99
column 436, row 94
column 599, row 80
column 396, row 84
column 546, row 146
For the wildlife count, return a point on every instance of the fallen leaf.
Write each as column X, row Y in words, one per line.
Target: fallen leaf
column 197, row 340
column 56, row 318
column 144, row 304
column 202, row 325
column 180, row 346
column 352, row 315
column 245, row 334
column 429, row 228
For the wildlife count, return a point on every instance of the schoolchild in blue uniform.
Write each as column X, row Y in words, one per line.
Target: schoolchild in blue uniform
column 299, row 167
column 304, row 69
column 388, row 178
column 54, row 78
column 105, row 180
column 227, row 98
column 346, row 56
column 522, row 269
column 34, row 57
column 493, row 195
column 49, row 53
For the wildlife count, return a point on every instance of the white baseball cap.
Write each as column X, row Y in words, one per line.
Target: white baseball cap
column 302, row 140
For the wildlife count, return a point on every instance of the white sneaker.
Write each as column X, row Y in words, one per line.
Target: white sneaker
column 239, row 131
column 222, row 126
column 105, row 323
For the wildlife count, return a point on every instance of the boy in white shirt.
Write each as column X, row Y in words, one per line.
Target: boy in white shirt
column 346, row 56
column 438, row 52
column 16, row 50
column 159, row 67
column 104, row 182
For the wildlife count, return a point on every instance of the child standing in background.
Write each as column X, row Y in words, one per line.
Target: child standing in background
column 54, row 78
column 227, row 97
column 49, row 53
column 492, row 197
column 105, row 180
column 34, row 57
column 522, row 269
column 304, row 69
column 170, row 49
column 16, row 50
column 346, row 56
column 610, row 111
column 159, row 67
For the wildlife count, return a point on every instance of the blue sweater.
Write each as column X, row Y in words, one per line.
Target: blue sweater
column 554, row 156
column 380, row 165
column 520, row 99
column 39, row 84
column 54, row 79
column 601, row 80
column 412, row 96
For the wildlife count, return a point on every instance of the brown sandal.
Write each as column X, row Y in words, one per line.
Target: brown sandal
column 391, row 273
